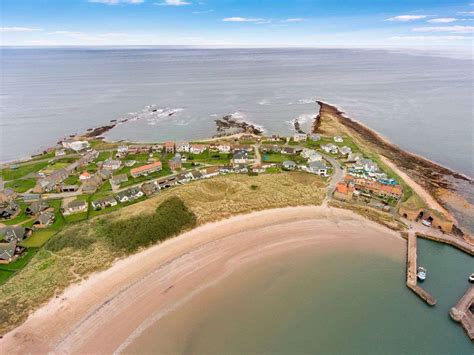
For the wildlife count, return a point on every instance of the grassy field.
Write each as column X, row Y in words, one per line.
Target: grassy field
column 9, row 174
column 21, row 185
column 84, row 247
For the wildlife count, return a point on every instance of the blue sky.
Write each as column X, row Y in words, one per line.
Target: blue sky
column 237, row 23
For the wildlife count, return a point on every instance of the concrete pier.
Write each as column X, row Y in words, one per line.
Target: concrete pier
column 412, row 282
column 456, row 242
column 462, row 312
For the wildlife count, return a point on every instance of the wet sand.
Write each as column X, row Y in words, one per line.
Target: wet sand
column 111, row 309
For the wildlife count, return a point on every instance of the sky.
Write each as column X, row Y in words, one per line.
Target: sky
column 239, row 23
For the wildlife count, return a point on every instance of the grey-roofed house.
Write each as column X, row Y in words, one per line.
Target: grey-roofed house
column 76, row 206
column 119, row 179
column 45, row 219
column 318, row 167
column 9, row 210
column 36, row 207
column 7, row 252
column 149, row 188
column 111, row 164
column 289, row 164
column 14, row 233
column 7, row 195
column 129, row 195
column 104, row 202
column 345, row 150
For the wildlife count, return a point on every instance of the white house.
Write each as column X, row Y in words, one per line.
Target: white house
column 318, row 167
column 197, row 148
column 224, row 148
column 338, row 139
column 345, row 150
column 240, row 158
column 76, row 206
column 123, row 149
column 77, row 146
column 84, row 176
column 300, row 137
column 330, row 148
column 289, row 164
column 60, row 152
column 110, row 164
column 182, row 147
column 315, row 157
column 315, row 137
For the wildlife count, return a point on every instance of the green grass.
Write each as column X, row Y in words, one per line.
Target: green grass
column 210, row 158
column 133, row 181
column 54, row 167
column 103, row 156
column 43, row 156
column 9, row 174
column 39, row 238
column 72, row 180
column 5, row 275
column 21, row 185
column 77, row 217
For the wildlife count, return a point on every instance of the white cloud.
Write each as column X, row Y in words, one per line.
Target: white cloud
column 297, row 19
column 173, row 3
column 19, row 29
column 117, row 2
column 242, row 19
column 406, row 18
column 202, row 12
column 443, row 20
column 66, row 33
column 452, row 29
column 466, row 13
column 429, row 38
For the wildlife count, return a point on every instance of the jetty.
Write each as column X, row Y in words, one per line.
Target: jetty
column 454, row 241
column 463, row 312
column 412, row 282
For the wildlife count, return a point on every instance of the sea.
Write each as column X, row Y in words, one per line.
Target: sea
column 421, row 101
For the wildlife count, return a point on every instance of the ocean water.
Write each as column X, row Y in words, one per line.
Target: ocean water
column 346, row 300
column 423, row 103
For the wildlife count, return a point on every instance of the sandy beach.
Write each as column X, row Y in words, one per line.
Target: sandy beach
column 106, row 312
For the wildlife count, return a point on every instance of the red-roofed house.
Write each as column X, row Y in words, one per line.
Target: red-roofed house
column 169, row 147
column 84, row 176
column 146, row 169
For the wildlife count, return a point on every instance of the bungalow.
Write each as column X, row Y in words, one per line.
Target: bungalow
column 315, row 137
column 9, row 210
column 196, row 175
column 224, row 148
column 123, row 149
column 146, row 169
column 338, row 139
column 354, row 157
column 84, row 176
column 8, row 252
column 91, row 186
column 111, row 164
column 318, row 167
column 169, row 147
column 239, row 158
column 77, row 146
column 175, row 163
column 197, row 148
column 104, row 202
column 330, row 148
column 367, row 165
column 288, row 150
column 306, row 153
column 149, row 188
column 300, row 137
column 129, row 195
column 45, row 219
column 345, row 150
column 104, row 174
column 7, row 195
column 182, row 147
column 59, row 153
column 118, row 179
column 210, row 172
column 36, row 208
column 76, row 206
column 14, row 233
column 289, row 164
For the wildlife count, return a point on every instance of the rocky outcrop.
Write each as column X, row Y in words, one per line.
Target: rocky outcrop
column 228, row 125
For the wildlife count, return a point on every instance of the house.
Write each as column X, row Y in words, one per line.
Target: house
column 111, row 164
column 91, row 185
column 8, row 252
column 318, row 167
column 274, row 138
column 59, row 153
column 338, row 139
column 118, row 179
column 104, row 202
column 76, row 206
column 7, row 195
column 196, row 175
column 244, row 148
column 146, row 169
column 343, row 191
column 14, row 233
column 130, row 163
column 314, row 156
column 330, row 148
column 288, row 150
column 175, row 163
column 45, row 219
column 197, row 148
column 129, row 195
column 169, row 147
column 224, row 148
column 247, row 138
column 239, row 158
column 77, row 146
column 354, row 157
column 183, row 147
column 366, row 165
column 138, row 149
column 157, row 148
column 300, row 137
column 104, row 174
column 315, row 137
column 345, row 151
column 84, row 176
column 210, row 172
column 122, row 150
column 289, row 164
column 36, row 208
column 149, row 188
column 9, row 210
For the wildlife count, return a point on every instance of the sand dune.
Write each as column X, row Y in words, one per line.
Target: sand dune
column 106, row 312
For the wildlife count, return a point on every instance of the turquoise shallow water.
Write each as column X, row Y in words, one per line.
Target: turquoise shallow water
column 347, row 301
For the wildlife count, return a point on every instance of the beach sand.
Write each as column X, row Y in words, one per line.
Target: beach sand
column 106, row 312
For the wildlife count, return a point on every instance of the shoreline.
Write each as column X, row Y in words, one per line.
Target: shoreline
column 166, row 274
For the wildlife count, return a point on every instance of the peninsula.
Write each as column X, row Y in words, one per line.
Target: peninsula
column 90, row 207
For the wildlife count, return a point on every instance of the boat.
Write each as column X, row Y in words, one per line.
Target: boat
column 471, row 278
column 421, row 273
